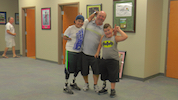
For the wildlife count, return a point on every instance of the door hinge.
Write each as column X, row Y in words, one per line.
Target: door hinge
column 62, row 57
column 25, row 14
column 62, row 12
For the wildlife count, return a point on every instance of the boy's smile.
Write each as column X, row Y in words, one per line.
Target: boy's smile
column 108, row 32
column 79, row 23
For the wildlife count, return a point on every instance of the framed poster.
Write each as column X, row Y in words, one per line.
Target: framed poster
column 3, row 19
column 122, row 55
column 46, row 18
column 16, row 18
column 92, row 8
column 125, row 14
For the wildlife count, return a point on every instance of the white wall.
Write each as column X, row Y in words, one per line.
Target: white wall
column 153, row 37
column 137, row 45
column 10, row 7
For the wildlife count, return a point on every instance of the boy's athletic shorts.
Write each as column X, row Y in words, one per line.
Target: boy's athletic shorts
column 109, row 69
column 73, row 62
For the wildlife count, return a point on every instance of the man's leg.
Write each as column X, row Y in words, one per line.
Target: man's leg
column 86, row 86
column 14, row 54
column 13, row 51
column 85, row 78
column 4, row 54
column 95, row 77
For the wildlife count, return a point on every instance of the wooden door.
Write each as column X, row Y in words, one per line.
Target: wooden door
column 68, row 19
column 172, row 49
column 30, row 29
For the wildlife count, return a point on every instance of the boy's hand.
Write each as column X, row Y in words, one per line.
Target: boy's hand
column 96, row 55
column 79, row 13
column 118, row 28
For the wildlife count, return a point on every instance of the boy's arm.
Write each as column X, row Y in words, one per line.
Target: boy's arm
column 66, row 37
column 115, row 31
column 123, row 35
column 99, row 48
column 67, row 34
column 92, row 16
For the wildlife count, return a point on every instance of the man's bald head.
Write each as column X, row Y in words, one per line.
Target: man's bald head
column 11, row 20
column 101, row 16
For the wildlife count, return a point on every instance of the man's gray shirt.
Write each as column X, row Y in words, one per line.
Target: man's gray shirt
column 92, row 37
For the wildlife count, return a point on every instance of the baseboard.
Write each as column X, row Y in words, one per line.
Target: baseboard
column 46, row 60
column 143, row 79
column 10, row 52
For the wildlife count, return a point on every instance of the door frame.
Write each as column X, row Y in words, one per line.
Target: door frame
column 60, row 29
column 24, row 29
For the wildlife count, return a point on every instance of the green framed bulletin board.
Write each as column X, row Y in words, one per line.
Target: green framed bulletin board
column 124, row 14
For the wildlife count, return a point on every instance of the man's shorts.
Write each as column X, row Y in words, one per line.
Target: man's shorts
column 73, row 62
column 87, row 61
column 109, row 69
column 10, row 42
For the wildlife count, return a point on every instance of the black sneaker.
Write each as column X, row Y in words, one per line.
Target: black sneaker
column 103, row 91
column 113, row 93
column 74, row 86
column 67, row 90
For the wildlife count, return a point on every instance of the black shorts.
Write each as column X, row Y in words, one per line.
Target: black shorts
column 109, row 69
column 89, row 61
column 73, row 62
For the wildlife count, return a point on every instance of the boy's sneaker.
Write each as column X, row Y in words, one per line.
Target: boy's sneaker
column 103, row 91
column 86, row 87
column 67, row 90
column 96, row 88
column 113, row 93
column 74, row 86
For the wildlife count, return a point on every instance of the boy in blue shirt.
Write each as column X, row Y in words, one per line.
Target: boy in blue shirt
column 74, row 35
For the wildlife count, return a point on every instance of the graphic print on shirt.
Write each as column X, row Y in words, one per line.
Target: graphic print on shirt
column 79, row 40
column 107, row 44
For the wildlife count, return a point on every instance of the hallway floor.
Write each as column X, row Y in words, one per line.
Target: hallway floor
column 29, row 79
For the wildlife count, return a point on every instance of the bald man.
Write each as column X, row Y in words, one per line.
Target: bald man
column 9, row 38
column 93, row 33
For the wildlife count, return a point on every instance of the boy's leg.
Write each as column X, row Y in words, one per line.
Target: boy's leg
column 104, row 90
column 113, row 91
column 66, row 88
column 104, row 75
column 113, row 85
column 113, row 70
column 73, row 84
column 67, row 72
column 77, row 64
